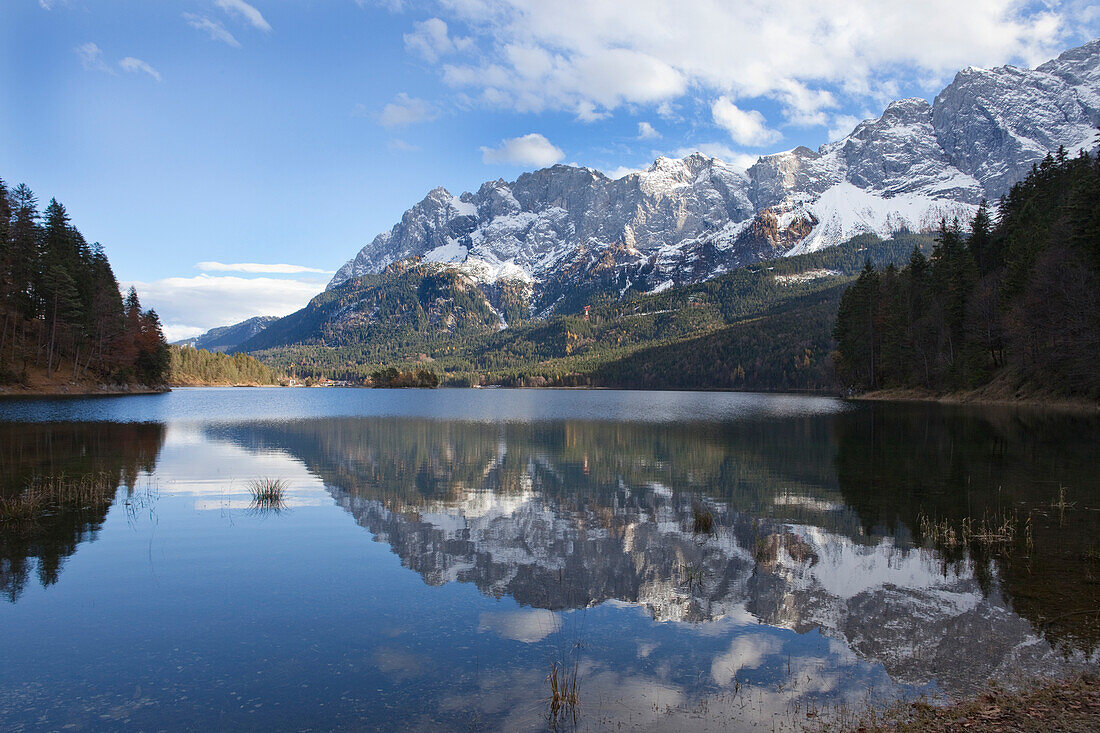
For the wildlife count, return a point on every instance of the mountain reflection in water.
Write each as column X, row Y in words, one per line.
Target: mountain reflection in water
column 676, row 564
column 814, row 523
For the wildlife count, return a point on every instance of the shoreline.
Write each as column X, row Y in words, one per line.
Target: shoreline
column 78, row 390
column 979, row 397
column 1065, row 704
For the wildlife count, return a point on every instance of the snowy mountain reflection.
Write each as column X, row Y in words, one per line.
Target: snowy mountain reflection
column 812, row 524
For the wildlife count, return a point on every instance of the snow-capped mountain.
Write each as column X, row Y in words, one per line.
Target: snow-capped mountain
column 688, row 220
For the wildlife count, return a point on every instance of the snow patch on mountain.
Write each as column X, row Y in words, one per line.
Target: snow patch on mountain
column 692, row 219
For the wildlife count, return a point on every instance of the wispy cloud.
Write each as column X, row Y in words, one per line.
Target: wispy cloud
column 91, row 57
column 258, row 267
column 431, row 40
column 406, row 110
column 402, row 146
column 212, row 28
column 137, row 65
column 532, row 149
column 246, row 11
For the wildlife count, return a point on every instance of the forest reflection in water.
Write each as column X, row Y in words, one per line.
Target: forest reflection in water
column 817, row 524
column 574, row 498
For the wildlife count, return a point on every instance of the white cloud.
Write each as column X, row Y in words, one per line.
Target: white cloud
column 431, row 40
column 212, row 28
column 533, row 79
column 803, row 106
column 258, row 267
column 555, row 56
column 622, row 171
column 646, row 131
column 137, row 65
column 721, row 151
column 246, row 11
column 91, row 57
column 179, row 333
column 206, row 301
column 748, row 651
column 842, row 125
column 532, row 149
column 406, row 110
column 525, row 625
column 746, row 127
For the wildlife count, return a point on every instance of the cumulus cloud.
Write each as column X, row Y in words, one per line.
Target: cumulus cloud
column 431, row 40
column 212, row 28
column 804, row 106
column 746, row 127
column 535, row 56
column 205, row 301
column 258, row 267
column 746, row 652
column 842, row 125
column 138, row 66
column 532, row 149
column 527, row 625
column 406, row 110
column 646, row 131
column 91, row 57
column 245, row 11
column 622, row 171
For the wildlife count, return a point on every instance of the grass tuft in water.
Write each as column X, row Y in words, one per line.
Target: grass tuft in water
column 991, row 532
column 268, row 493
column 563, row 695
column 702, row 519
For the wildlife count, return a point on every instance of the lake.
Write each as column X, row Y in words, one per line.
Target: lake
column 439, row 558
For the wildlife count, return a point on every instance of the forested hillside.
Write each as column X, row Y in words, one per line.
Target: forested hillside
column 765, row 326
column 1015, row 303
column 62, row 314
column 193, row 367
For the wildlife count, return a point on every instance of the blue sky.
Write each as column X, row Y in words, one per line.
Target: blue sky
column 205, row 141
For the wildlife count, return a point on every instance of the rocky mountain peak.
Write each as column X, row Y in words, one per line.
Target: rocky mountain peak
column 689, row 219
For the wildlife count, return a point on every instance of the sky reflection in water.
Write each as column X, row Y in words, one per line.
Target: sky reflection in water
column 513, row 530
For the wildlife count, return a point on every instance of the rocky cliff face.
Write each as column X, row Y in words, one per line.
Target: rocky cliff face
column 688, row 220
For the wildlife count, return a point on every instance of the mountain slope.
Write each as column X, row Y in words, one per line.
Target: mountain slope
column 566, row 228
column 385, row 320
column 227, row 338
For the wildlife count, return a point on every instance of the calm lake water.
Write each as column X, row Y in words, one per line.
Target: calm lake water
column 697, row 561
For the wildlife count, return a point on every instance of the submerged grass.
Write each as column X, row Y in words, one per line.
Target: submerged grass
column 268, row 493
column 563, row 694
column 991, row 532
column 49, row 494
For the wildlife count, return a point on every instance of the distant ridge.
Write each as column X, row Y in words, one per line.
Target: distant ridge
column 227, row 338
